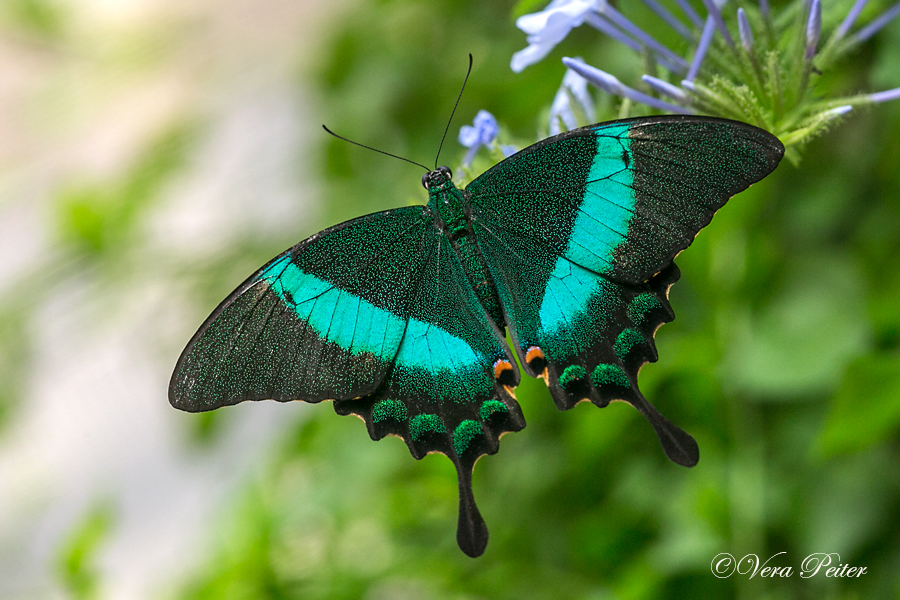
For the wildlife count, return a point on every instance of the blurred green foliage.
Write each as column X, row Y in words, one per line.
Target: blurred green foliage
column 15, row 352
column 77, row 566
column 865, row 410
column 783, row 362
column 97, row 223
column 97, row 218
column 40, row 18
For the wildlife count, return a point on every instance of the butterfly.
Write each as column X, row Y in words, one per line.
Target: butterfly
column 400, row 317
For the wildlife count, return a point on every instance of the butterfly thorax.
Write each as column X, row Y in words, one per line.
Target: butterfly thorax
column 452, row 216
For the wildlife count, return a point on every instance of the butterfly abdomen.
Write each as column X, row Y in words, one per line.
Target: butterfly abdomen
column 453, row 220
column 479, row 277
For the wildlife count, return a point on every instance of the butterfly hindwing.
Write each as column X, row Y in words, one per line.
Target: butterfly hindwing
column 586, row 335
column 579, row 232
column 450, row 389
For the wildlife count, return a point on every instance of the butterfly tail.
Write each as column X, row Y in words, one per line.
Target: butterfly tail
column 471, row 530
column 678, row 445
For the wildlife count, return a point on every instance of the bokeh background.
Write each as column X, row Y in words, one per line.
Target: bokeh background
column 153, row 153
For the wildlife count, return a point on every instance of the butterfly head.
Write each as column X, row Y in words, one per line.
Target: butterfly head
column 436, row 178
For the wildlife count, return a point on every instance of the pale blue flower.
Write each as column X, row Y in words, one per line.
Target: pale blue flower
column 813, row 29
column 850, row 19
column 709, row 29
column 837, row 112
column 642, row 36
column 605, row 27
column 873, row 27
column 562, row 116
column 893, row 94
column 664, row 87
column 549, row 27
column 670, row 19
column 482, row 132
column 713, row 6
column 745, row 31
column 609, row 84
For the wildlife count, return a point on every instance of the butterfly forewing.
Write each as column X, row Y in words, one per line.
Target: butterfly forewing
column 322, row 321
column 623, row 198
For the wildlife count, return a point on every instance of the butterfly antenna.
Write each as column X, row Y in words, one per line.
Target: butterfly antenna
column 374, row 149
column 454, row 111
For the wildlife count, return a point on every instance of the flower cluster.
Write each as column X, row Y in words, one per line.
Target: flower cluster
column 571, row 105
column 482, row 133
column 760, row 76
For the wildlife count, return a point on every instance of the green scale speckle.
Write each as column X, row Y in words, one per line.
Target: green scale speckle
column 627, row 340
column 606, row 374
column 422, row 424
column 491, row 408
column 464, row 433
column 641, row 306
column 389, row 409
column 570, row 374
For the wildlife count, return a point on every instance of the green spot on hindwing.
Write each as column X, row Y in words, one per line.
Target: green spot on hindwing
column 389, row 409
column 422, row 424
column 606, row 374
column 641, row 306
column 571, row 374
column 464, row 433
column 627, row 340
column 491, row 408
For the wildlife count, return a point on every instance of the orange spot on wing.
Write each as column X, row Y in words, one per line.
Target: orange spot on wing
column 500, row 367
column 533, row 353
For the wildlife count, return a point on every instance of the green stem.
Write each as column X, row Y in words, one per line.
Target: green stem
column 797, row 49
column 773, row 67
column 720, row 104
column 748, row 104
